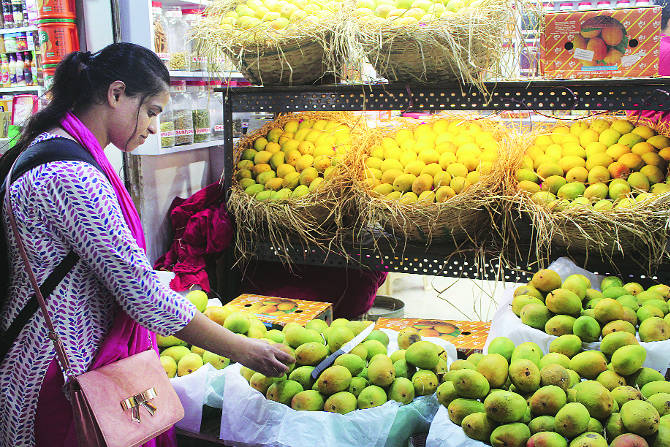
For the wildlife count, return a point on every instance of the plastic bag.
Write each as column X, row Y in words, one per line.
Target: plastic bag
column 249, row 419
column 506, row 324
column 192, row 391
column 444, row 433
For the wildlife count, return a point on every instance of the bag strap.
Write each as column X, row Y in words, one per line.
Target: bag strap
column 29, row 309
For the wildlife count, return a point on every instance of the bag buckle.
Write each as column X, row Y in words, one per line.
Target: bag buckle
column 140, row 400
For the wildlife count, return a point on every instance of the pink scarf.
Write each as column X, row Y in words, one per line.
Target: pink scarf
column 53, row 422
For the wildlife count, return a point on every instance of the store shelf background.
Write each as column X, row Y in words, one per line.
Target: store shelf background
column 448, row 260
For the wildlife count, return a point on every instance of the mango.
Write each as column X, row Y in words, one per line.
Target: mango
column 525, row 375
column 460, row 408
column 656, row 387
column 564, row 302
column 554, row 358
column 654, row 329
column 471, row 384
column 342, row 402
column 595, row 397
column 446, row 393
column 381, row 371
column 640, row 417
column 587, row 329
column 510, row 435
column 478, row 426
column 372, row 396
column 618, row 326
column 529, row 351
column 402, row 390
column 648, row 311
column 628, row 359
column 589, row 439
column 572, row 420
column 546, row 439
column 542, row 424
column 568, row 345
column 425, row 382
column 283, row 391
column 309, row 400
column 333, row 380
column 615, row 340
column 374, row 347
column 559, row 325
column 629, row 440
column 521, row 301
column 546, row 280
column 505, row 407
column 535, row 315
column 623, row 394
column 422, row 354
column 408, row 336
column 608, row 310
column 660, row 401
column 338, row 336
column 556, row 375
column 589, row 364
column 547, row 400
column 610, row 380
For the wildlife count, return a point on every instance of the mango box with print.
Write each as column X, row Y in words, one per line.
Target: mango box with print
column 467, row 336
column 276, row 311
column 601, row 44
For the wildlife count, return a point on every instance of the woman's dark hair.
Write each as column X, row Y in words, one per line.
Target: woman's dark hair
column 82, row 79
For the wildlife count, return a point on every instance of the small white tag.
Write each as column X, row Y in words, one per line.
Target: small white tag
column 631, row 59
column 583, row 55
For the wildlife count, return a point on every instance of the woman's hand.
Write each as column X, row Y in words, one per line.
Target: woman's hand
column 262, row 357
column 254, row 354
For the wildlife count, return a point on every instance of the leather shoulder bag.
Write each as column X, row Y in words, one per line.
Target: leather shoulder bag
column 123, row 404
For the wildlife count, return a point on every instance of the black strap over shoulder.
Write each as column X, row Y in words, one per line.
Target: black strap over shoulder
column 54, row 149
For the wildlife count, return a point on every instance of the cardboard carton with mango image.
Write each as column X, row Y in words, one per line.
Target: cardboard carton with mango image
column 602, row 41
column 601, row 44
column 273, row 306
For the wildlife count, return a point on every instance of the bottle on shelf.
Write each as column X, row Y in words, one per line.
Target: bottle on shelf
column 167, row 127
column 27, row 72
column 160, row 26
column 18, row 68
column 191, row 18
column 179, row 57
column 33, row 69
column 17, row 13
column 4, row 70
column 182, row 113
column 216, row 109
column 201, row 118
column 12, row 70
column 8, row 13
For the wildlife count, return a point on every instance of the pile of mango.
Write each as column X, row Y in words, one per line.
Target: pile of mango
column 615, row 312
column 292, row 161
column 366, row 377
column 180, row 359
column 602, row 165
column 515, row 396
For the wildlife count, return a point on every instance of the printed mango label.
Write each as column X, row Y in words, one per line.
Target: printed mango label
column 276, row 310
column 609, row 43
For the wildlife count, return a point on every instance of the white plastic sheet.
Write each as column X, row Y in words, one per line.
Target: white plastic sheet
column 444, row 433
column 192, row 391
column 506, row 324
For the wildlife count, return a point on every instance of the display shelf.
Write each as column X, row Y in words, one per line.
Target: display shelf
column 207, row 75
column 592, row 94
column 446, row 259
column 21, row 89
column 22, row 29
column 186, row 147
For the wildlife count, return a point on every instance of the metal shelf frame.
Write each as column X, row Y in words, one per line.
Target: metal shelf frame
column 445, row 259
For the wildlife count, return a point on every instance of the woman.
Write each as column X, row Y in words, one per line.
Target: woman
column 106, row 305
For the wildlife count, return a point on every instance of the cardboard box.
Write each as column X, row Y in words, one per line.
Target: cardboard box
column 468, row 336
column 601, row 44
column 276, row 312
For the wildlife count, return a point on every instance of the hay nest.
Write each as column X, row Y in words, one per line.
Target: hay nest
column 311, row 221
column 464, row 217
column 308, row 53
column 640, row 232
column 461, row 46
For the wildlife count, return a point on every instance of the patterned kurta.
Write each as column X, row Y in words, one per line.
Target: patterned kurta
column 61, row 206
